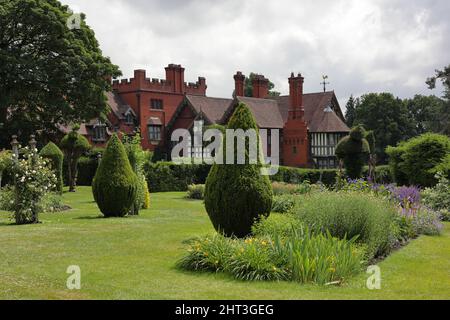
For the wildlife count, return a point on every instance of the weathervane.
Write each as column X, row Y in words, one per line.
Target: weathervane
column 324, row 83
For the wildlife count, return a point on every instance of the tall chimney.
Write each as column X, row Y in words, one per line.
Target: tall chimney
column 260, row 86
column 175, row 75
column 296, row 96
column 239, row 79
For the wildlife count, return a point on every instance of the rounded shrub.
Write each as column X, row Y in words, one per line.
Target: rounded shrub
column 56, row 157
column 351, row 214
column 237, row 195
column 115, row 184
column 354, row 151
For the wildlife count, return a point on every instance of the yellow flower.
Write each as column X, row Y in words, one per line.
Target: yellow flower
column 274, row 268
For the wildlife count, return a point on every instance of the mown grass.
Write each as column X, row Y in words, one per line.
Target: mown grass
column 134, row 258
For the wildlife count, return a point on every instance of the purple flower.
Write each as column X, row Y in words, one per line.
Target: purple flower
column 407, row 196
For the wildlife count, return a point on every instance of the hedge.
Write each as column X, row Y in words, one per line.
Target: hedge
column 167, row 176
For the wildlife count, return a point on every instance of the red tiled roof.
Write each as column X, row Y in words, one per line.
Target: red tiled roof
column 317, row 119
column 265, row 111
column 212, row 108
column 118, row 107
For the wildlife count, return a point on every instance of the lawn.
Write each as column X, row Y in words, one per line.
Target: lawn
column 134, row 258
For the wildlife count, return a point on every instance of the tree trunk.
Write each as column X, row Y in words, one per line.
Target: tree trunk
column 72, row 172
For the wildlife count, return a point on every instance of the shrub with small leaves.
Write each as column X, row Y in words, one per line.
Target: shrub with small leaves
column 438, row 198
column 283, row 203
column 33, row 180
column 196, row 192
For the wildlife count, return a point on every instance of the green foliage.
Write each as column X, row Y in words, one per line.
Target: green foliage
column 63, row 69
column 438, row 198
column 7, row 198
column 74, row 145
column 137, row 157
column 277, row 225
column 115, row 184
column 429, row 114
column 248, row 86
column 302, row 257
column 167, row 176
column 196, row 192
column 5, row 163
column 416, row 160
column 348, row 215
column 351, row 109
column 396, row 164
column 318, row 258
column 353, row 150
column 34, row 180
column 283, row 203
column 56, row 158
column 237, row 195
column 299, row 175
column 387, row 117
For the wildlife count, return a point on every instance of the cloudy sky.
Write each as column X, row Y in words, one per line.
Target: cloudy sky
column 363, row 46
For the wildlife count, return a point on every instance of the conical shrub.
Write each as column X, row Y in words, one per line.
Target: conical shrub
column 237, row 195
column 115, row 184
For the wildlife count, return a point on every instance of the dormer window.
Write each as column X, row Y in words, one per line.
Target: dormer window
column 129, row 118
column 99, row 133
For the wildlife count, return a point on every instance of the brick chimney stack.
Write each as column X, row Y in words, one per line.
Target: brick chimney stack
column 296, row 96
column 260, row 86
column 175, row 75
column 239, row 80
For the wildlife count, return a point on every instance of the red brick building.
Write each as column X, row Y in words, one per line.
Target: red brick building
column 310, row 124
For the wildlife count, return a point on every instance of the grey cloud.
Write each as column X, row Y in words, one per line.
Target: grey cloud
column 364, row 46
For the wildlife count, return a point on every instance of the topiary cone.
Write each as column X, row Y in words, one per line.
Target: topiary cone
column 237, row 195
column 115, row 184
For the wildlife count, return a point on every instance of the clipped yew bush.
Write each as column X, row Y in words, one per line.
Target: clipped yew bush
column 74, row 145
column 52, row 153
column 115, row 184
column 417, row 160
column 354, row 151
column 237, row 195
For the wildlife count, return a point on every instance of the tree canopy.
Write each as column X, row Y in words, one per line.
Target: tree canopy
column 248, row 86
column 50, row 74
column 387, row 117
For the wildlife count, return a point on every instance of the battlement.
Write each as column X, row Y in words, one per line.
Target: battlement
column 174, row 82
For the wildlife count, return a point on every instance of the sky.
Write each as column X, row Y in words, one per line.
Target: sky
column 362, row 45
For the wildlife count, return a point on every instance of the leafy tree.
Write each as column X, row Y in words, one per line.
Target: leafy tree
column 351, row 109
column 115, row 184
column 444, row 77
column 248, row 86
column 74, row 145
column 50, row 75
column 387, row 117
column 56, row 158
column 237, row 195
column 428, row 114
column 354, row 150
